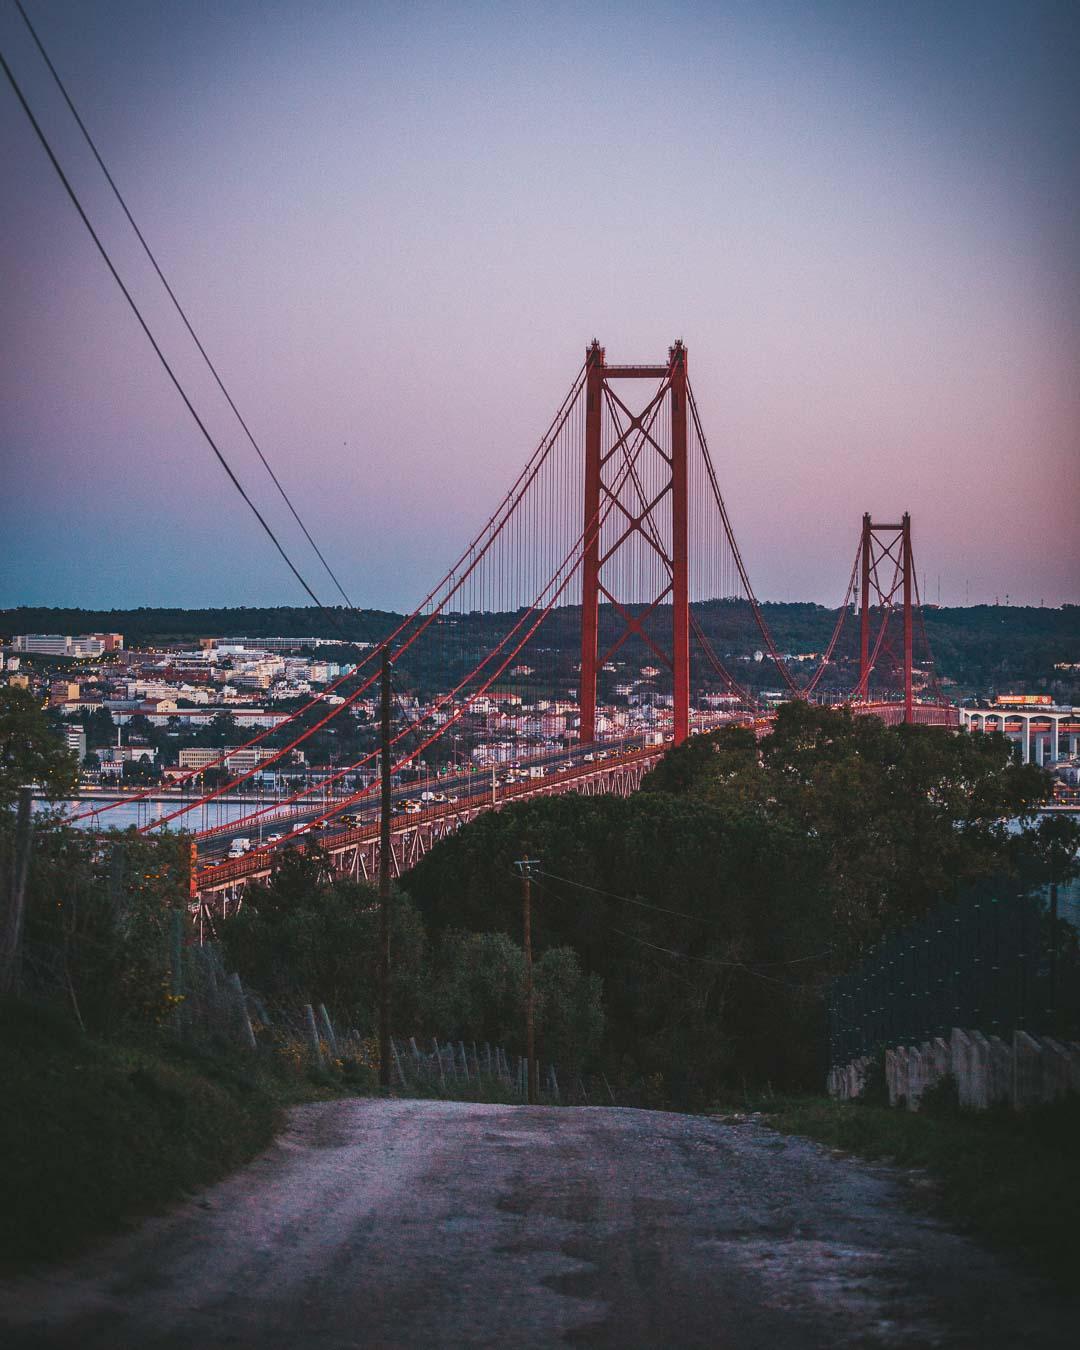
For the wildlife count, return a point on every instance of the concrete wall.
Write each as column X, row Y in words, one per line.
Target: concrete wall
column 1026, row 1072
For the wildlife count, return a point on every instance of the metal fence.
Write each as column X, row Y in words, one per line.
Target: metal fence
column 996, row 961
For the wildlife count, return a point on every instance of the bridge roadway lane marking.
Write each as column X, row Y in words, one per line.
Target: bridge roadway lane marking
column 416, row 1223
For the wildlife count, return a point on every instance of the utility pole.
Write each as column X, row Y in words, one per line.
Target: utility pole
column 909, row 580
column 525, row 866
column 384, row 878
column 11, row 937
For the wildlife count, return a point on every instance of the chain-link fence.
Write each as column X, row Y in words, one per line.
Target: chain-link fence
column 997, row 961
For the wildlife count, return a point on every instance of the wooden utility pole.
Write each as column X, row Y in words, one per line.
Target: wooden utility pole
column 525, row 866
column 11, row 935
column 384, row 878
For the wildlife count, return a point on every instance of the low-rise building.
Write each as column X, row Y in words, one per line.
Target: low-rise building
column 62, row 691
column 197, row 757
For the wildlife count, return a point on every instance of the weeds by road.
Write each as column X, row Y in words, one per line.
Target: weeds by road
column 1011, row 1178
column 95, row 1133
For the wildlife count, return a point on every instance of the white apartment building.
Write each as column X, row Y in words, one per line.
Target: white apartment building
column 75, row 739
column 57, row 644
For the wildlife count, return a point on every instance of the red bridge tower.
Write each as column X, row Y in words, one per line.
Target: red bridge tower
column 614, row 515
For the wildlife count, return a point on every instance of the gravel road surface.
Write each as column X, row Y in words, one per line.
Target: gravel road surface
column 415, row 1223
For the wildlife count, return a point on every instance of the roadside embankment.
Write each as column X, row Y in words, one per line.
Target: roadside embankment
column 1009, row 1178
column 96, row 1133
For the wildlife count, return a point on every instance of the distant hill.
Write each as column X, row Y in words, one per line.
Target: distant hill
column 984, row 648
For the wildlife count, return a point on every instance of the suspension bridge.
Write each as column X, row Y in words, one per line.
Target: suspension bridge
column 600, row 556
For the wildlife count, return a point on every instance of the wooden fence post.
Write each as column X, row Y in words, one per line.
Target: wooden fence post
column 247, row 1035
column 397, row 1061
column 328, row 1027
column 313, row 1034
column 438, row 1056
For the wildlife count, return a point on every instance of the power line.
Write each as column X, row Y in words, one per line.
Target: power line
column 176, row 303
column 682, row 914
column 670, row 951
column 630, row 900
column 153, row 342
column 702, row 960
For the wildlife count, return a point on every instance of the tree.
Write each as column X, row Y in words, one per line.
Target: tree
column 99, row 921
column 907, row 815
column 476, row 988
column 302, row 938
column 670, row 903
column 901, row 816
column 222, row 731
column 722, row 767
column 141, row 772
column 30, row 753
column 569, row 1010
column 100, row 728
column 1049, row 854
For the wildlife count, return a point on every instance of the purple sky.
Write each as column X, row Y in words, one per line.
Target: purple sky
column 396, row 227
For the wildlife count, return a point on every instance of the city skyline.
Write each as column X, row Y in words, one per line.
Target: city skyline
column 395, row 233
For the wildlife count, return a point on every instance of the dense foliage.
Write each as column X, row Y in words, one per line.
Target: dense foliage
column 30, row 752
column 304, row 938
column 715, row 904
column 98, row 928
column 899, row 817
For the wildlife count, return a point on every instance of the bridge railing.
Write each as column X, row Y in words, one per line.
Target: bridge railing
column 258, row 860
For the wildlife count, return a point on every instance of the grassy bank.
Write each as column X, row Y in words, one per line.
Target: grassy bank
column 94, row 1134
column 1009, row 1178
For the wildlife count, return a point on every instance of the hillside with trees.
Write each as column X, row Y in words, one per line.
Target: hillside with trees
column 982, row 649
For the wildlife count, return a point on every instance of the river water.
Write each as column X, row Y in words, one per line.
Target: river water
column 123, row 815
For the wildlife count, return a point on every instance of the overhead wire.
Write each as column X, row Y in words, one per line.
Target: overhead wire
column 154, row 344
column 677, row 913
column 714, row 962
column 176, row 303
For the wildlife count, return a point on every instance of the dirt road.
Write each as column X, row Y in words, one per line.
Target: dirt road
column 448, row 1224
